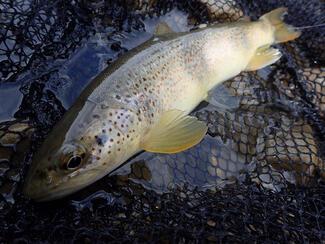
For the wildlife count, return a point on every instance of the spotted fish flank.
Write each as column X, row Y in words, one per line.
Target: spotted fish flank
column 143, row 102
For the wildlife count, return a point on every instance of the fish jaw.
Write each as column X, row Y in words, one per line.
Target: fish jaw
column 104, row 146
column 47, row 180
column 45, row 185
column 44, row 191
column 59, row 187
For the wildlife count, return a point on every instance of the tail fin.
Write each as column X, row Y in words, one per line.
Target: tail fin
column 282, row 32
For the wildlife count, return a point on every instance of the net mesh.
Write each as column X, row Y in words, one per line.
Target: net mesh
column 256, row 177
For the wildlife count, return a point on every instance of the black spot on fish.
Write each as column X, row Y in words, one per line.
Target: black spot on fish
column 96, row 116
column 101, row 140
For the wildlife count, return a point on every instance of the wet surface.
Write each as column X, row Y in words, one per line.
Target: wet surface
column 259, row 169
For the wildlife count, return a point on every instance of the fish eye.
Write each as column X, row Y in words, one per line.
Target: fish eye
column 71, row 156
column 74, row 162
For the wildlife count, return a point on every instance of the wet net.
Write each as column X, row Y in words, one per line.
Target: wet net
column 256, row 177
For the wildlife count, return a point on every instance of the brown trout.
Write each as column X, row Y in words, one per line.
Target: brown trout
column 142, row 102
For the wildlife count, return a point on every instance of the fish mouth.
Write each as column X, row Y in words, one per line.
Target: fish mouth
column 40, row 192
column 42, row 195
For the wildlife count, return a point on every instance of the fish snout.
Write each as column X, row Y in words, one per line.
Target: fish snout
column 38, row 185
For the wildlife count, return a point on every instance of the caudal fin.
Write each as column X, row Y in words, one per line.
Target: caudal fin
column 282, row 32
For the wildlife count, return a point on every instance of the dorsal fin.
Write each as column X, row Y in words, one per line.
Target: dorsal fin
column 162, row 29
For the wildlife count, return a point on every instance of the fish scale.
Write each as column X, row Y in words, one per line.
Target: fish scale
column 157, row 72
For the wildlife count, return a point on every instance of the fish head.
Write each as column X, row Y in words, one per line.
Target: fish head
column 53, row 171
column 87, row 153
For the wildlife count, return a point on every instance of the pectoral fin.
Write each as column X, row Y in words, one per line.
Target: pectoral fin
column 175, row 132
column 263, row 57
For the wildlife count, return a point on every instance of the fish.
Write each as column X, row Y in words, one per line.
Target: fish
column 143, row 101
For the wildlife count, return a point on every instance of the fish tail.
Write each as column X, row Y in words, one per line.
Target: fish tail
column 282, row 31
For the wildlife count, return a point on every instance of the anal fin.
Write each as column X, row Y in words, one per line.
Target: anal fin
column 221, row 98
column 263, row 57
column 174, row 132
